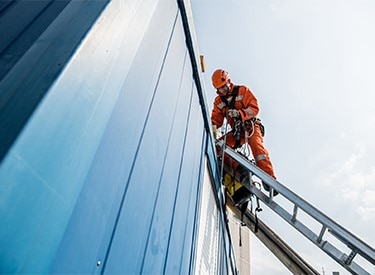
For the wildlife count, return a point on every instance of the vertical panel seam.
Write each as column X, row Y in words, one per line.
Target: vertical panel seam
column 179, row 177
column 26, row 27
column 165, row 156
column 197, row 204
column 135, row 159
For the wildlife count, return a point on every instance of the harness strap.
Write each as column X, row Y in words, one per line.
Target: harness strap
column 258, row 209
column 237, row 133
column 233, row 94
column 243, row 208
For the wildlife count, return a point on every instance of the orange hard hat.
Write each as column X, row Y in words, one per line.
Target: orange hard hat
column 220, row 78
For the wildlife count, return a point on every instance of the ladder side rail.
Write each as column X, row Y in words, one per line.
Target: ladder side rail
column 290, row 258
column 341, row 233
column 325, row 246
column 308, row 233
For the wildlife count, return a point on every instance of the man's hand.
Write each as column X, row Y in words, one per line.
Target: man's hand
column 233, row 113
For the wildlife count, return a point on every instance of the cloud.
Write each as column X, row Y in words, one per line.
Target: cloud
column 366, row 213
column 369, row 197
column 348, row 166
column 352, row 184
column 367, row 209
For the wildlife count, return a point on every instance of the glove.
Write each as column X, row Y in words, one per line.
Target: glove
column 214, row 130
column 234, row 113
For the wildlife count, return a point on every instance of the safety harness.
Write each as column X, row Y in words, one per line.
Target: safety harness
column 246, row 126
column 234, row 94
column 238, row 122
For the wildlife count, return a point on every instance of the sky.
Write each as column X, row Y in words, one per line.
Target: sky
column 311, row 64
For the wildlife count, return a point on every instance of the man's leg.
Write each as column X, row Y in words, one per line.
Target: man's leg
column 261, row 155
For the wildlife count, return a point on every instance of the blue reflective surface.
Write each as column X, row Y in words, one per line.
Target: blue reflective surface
column 108, row 168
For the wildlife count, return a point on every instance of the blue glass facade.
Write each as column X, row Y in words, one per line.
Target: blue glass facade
column 104, row 141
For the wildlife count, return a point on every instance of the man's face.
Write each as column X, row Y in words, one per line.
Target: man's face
column 223, row 90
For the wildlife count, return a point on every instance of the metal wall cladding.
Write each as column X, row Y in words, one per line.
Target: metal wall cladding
column 37, row 40
column 105, row 175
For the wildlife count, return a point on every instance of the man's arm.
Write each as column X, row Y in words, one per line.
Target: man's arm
column 217, row 117
column 250, row 102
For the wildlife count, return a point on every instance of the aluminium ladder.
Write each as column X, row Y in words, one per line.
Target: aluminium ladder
column 355, row 245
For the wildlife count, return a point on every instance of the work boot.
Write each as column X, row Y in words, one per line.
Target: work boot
column 241, row 196
column 244, row 175
column 267, row 188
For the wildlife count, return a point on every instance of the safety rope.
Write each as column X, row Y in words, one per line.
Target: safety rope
column 222, row 148
column 243, row 208
column 246, row 150
column 257, row 209
column 222, row 154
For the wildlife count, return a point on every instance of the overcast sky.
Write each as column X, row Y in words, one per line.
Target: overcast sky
column 311, row 64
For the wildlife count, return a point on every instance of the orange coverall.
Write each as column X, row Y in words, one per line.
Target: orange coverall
column 247, row 104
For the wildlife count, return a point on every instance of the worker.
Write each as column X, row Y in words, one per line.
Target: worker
column 239, row 106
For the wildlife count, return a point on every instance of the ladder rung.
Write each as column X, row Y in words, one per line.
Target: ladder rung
column 350, row 258
column 322, row 231
column 295, row 210
column 343, row 235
